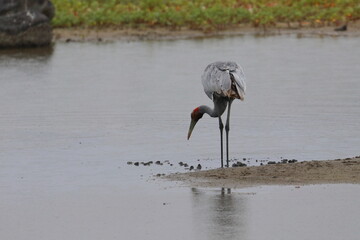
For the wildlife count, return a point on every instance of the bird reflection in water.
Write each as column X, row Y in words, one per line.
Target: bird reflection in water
column 219, row 215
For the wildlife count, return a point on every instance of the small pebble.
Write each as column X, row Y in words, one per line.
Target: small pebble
column 239, row 164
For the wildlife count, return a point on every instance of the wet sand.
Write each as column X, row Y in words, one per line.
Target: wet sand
column 300, row 173
column 113, row 34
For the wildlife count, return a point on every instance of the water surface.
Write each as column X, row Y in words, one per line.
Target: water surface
column 73, row 116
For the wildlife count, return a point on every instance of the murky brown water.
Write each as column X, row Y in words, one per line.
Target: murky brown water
column 72, row 116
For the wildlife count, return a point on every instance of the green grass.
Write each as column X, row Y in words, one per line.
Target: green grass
column 204, row 15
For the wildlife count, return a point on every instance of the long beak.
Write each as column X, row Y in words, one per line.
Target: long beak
column 192, row 125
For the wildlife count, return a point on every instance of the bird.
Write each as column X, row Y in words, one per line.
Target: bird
column 223, row 82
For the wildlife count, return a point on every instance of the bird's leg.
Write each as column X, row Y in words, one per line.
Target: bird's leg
column 221, row 127
column 227, row 128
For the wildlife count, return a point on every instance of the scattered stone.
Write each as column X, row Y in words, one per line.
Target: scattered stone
column 271, row 162
column 199, row 167
column 191, row 168
column 341, row 28
column 239, row 164
column 284, row 161
column 129, row 163
column 186, row 165
column 136, row 163
column 158, row 163
column 181, row 163
column 292, row 161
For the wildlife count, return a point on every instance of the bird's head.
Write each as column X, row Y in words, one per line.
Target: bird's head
column 195, row 116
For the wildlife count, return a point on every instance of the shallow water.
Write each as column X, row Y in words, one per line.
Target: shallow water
column 73, row 116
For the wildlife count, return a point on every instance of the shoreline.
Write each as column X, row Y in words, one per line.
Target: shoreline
column 300, row 173
column 110, row 34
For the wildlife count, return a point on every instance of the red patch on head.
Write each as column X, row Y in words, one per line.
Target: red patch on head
column 196, row 115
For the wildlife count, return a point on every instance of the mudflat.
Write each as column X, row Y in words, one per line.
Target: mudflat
column 107, row 34
column 299, row 173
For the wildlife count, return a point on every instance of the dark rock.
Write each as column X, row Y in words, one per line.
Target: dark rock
column 292, row 161
column 239, row 164
column 25, row 23
column 199, row 167
column 284, row 161
column 136, row 163
column 341, row 28
column 181, row 163
column 158, row 163
column 186, row 165
column 271, row 162
column 129, row 163
column 191, row 168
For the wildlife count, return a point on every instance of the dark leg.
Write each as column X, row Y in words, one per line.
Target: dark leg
column 221, row 127
column 227, row 128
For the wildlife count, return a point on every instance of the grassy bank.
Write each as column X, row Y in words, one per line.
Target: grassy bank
column 206, row 15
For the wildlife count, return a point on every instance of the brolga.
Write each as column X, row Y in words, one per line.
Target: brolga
column 223, row 82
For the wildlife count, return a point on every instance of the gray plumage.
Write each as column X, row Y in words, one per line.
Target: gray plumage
column 223, row 82
column 227, row 79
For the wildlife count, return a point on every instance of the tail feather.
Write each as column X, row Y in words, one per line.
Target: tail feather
column 238, row 86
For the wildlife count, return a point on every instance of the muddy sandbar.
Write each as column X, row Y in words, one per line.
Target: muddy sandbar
column 300, row 173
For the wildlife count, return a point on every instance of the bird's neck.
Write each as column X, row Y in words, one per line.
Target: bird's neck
column 217, row 111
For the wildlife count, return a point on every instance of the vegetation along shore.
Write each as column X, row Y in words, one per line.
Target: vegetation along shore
column 203, row 15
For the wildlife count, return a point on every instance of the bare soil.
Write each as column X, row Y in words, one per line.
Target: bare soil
column 300, row 173
column 114, row 34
